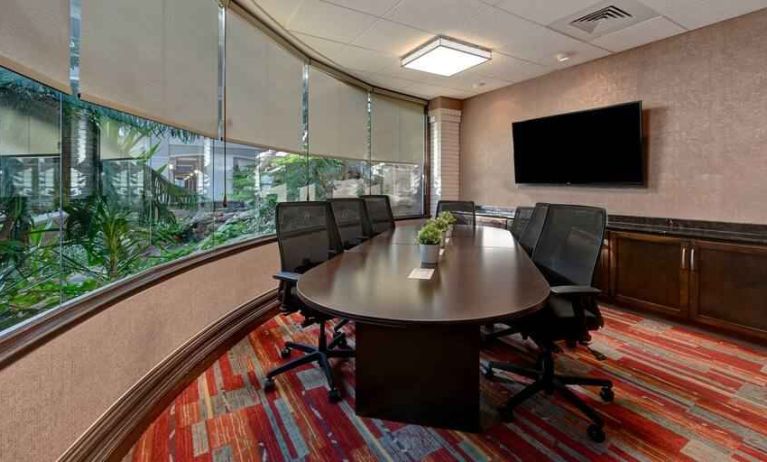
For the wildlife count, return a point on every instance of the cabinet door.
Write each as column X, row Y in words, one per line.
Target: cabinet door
column 729, row 287
column 650, row 272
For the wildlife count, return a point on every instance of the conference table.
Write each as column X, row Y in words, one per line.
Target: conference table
column 418, row 340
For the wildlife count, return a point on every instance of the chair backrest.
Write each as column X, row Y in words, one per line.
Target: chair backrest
column 521, row 219
column 529, row 237
column 570, row 243
column 464, row 211
column 306, row 234
column 351, row 220
column 380, row 216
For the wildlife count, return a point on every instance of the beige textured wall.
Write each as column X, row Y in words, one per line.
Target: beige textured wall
column 705, row 96
column 53, row 394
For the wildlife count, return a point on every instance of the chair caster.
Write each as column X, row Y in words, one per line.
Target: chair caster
column 489, row 374
column 285, row 353
column 596, row 433
column 342, row 343
column 607, row 394
column 269, row 385
column 334, row 395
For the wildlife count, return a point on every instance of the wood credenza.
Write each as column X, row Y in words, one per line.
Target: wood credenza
column 718, row 285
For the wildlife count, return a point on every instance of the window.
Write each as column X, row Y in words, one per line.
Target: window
column 90, row 195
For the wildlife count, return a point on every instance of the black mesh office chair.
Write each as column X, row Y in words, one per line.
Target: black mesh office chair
column 351, row 220
column 532, row 232
column 463, row 211
column 307, row 236
column 566, row 254
column 522, row 217
column 528, row 239
column 380, row 216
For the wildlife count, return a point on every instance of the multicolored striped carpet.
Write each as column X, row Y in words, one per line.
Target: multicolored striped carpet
column 680, row 395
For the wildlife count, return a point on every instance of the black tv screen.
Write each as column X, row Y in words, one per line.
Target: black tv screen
column 595, row 147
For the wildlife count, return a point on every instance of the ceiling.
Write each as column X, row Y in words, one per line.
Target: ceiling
column 367, row 38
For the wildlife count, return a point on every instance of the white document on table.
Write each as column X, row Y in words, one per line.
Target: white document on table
column 421, row 273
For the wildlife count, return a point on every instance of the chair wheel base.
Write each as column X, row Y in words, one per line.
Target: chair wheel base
column 285, row 353
column 334, row 395
column 269, row 385
column 596, row 433
column 607, row 394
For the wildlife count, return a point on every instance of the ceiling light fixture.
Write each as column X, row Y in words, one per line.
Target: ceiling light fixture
column 445, row 56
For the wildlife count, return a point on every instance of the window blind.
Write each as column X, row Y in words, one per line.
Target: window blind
column 264, row 87
column 34, row 40
column 338, row 117
column 397, row 130
column 153, row 58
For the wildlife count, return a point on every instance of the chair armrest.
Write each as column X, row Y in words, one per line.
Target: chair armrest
column 575, row 290
column 287, row 276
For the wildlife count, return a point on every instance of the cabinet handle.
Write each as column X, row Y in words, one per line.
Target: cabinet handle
column 692, row 259
column 684, row 258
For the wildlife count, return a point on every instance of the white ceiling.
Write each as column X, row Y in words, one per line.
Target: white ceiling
column 367, row 38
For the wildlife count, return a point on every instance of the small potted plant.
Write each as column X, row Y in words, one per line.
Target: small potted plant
column 429, row 238
column 449, row 220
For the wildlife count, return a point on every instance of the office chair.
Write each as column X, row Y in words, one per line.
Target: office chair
column 528, row 239
column 566, row 254
column 522, row 217
column 380, row 216
column 463, row 211
column 351, row 221
column 307, row 236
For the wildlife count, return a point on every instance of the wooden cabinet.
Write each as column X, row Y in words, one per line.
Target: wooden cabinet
column 729, row 287
column 712, row 284
column 650, row 272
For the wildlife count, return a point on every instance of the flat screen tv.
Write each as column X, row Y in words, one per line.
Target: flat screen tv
column 595, row 147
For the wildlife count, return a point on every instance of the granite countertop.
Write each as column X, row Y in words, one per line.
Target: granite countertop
column 711, row 230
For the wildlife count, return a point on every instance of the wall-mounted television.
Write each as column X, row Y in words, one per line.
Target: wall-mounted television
column 600, row 146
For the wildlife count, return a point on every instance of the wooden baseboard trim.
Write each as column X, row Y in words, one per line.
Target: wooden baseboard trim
column 115, row 432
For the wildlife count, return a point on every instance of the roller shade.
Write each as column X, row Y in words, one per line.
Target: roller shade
column 398, row 130
column 264, row 87
column 338, row 117
column 156, row 59
column 34, row 40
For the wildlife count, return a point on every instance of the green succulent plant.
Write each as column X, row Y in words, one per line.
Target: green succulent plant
column 447, row 217
column 429, row 234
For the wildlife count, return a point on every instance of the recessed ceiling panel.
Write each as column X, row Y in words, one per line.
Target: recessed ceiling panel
column 374, row 7
column 543, row 11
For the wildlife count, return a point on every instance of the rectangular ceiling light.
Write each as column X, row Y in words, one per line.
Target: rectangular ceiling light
column 444, row 56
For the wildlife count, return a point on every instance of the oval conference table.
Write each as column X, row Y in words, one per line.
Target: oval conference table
column 418, row 340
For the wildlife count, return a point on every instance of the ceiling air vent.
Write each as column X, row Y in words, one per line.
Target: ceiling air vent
column 590, row 21
column 602, row 18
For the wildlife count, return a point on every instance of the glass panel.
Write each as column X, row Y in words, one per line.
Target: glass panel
column 331, row 177
column 139, row 194
column 402, row 182
column 29, row 198
column 255, row 180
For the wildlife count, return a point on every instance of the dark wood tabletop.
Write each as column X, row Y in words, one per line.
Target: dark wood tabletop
column 483, row 276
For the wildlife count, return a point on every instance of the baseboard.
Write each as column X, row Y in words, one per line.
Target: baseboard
column 115, row 432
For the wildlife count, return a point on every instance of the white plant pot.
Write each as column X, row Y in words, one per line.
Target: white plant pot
column 429, row 254
column 442, row 240
column 449, row 232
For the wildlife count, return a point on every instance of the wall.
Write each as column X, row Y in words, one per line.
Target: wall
column 705, row 96
column 55, row 392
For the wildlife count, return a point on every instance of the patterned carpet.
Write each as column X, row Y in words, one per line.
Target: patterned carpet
column 680, row 395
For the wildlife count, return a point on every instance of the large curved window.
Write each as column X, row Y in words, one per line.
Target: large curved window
column 92, row 193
